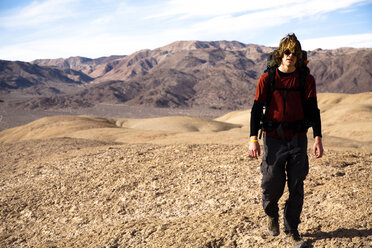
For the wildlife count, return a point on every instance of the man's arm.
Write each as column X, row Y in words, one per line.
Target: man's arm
column 254, row 147
column 318, row 150
column 313, row 115
column 256, row 113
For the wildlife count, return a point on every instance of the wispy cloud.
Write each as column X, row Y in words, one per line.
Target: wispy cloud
column 38, row 13
column 243, row 16
column 210, row 8
column 213, row 8
column 55, row 28
column 87, row 46
column 357, row 41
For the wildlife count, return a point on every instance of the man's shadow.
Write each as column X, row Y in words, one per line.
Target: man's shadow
column 339, row 233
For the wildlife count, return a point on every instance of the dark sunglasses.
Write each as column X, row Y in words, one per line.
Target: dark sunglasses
column 287, row 52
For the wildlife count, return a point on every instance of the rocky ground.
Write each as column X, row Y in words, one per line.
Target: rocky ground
column 65, row 192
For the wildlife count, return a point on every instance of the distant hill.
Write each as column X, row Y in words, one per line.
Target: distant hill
column 346, row 122
column 344, row 70
column 32, row 79
column 91, row 67
column 218, row 74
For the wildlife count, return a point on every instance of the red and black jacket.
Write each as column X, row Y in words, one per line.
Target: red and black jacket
column 286, row 102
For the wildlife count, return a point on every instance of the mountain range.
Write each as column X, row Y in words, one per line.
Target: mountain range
column 216, row 74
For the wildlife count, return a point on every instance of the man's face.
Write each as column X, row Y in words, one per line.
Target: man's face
column 289, row 58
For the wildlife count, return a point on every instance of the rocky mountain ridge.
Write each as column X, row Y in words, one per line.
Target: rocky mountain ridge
column 217, row 74
column 38, row 80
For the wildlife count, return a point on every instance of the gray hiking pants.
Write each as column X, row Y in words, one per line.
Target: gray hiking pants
column 284, row 160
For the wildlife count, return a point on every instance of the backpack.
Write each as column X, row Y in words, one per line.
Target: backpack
column 265, row 123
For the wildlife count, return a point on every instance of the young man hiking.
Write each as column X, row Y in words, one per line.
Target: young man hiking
column 287, row 90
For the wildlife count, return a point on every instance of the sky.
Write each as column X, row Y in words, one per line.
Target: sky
column 48, row 29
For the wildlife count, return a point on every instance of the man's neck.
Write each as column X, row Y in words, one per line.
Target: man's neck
column 287, row 69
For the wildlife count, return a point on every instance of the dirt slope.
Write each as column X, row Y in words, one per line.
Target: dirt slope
column 84, row 181
column 80, row 193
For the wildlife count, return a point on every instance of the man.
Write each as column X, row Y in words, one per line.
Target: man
column 290, row 106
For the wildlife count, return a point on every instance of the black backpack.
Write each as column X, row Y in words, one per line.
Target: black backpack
column 265, row 123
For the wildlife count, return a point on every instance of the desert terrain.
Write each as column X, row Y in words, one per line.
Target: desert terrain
column 175, row 179
column 214, row 75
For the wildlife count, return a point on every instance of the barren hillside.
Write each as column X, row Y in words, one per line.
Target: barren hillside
column 176, row 181
column 217, row 75
column 29, row 79
column 66, row 192
column 346, row 121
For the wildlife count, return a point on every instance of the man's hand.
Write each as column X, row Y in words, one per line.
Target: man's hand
column 318, row 147
column 254, row 147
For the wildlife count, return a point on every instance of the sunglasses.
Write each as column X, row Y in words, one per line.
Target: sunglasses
column 288, row 52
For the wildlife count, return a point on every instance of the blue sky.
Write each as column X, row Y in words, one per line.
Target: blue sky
column 32, row 29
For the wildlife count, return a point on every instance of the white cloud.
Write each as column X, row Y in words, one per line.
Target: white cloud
column 104, row 45
column 315, row 7
column 213, row 8
column 63, row 28
column 207, row 8
column 244, row 16
column 86, row 46
column 38, row 13
column 356, row 41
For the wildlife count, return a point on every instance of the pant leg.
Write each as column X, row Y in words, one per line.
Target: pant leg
column 297, row 168
column 273, row 174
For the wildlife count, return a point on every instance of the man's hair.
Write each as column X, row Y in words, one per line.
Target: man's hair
column 291, row 43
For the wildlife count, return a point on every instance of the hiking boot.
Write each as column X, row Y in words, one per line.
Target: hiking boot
column 273, row 226
column 295, row 239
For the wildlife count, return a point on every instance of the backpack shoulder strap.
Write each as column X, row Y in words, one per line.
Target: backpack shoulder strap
column 304, row 71
column 271, row 71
